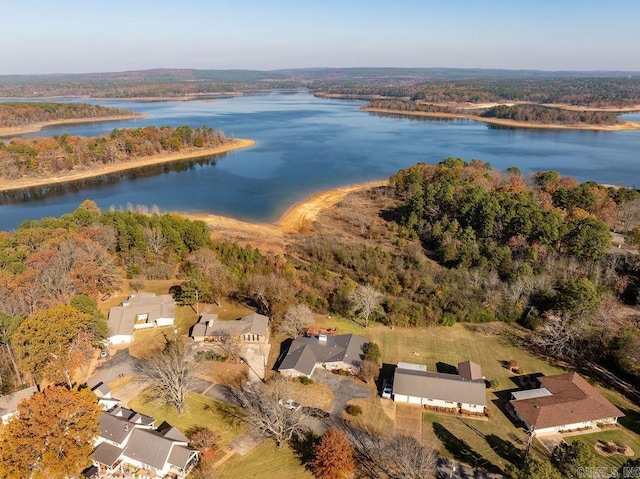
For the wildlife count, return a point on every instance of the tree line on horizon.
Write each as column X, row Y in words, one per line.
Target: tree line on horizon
column 38, row 157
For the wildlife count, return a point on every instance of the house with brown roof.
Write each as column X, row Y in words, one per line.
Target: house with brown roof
column 563, row 402
column 253, row 328
column 140, row 311
column 413, row 384
column 305, row 354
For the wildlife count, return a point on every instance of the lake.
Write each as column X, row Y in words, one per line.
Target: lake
column 305, row 145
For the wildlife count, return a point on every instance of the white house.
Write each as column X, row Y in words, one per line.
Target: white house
column 344, row 351
column 140, row 311
column 129, row 440
column 564, row 402
column 413, row 384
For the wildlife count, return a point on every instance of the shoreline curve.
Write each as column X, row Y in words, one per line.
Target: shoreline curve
column 24, row 183
column 626, row 126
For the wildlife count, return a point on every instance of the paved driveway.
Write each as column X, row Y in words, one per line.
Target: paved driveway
column 117, row 365
column 344, row 389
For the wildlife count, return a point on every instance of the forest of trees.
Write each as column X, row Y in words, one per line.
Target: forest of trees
column 27, row 113
column 42, row 156
column 541, row 114
column 521, row 113
column 591, row 92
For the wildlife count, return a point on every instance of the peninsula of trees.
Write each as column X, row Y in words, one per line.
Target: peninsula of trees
column 14, row 114
column 34, row 160
column 519, row 115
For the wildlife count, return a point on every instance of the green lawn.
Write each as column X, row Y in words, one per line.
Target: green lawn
column 199, row 411
column 265, row 462
column 620, row 435
column 494, row 443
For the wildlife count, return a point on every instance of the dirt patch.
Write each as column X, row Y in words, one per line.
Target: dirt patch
column 409, row 420
column 612, row 449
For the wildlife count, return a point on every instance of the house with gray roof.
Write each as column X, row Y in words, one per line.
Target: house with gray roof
column 140, row 311
column 253, row 328
column 344, row 351
column 128, row 438
column 416, row 385
column 9, row 402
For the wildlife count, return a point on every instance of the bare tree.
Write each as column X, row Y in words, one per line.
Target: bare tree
column 155, row 240
column 264, row 407
column 400, row 457
column 562, row 334
column 227, row 344
column 169, row 374
column 270, row 292
column 406, row 458
column 365, row 301
column 297, row 319
column 217, row 275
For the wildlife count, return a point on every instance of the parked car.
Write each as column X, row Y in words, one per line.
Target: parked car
column 289, row 404
column 386, row 389
column 315, row 412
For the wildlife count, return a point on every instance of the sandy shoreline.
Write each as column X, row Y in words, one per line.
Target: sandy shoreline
column 19, row 130
column 7, row 185
column 626, row 126
column 270, row 237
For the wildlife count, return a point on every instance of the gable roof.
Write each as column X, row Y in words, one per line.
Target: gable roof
column 304, row 353
column 148, row 447
column 9, row 402
column 470, row 370
column 107, row 454
column 210, row 325
column 114, row 428
column 444, row 387
column 122, row 318
column 572, row 400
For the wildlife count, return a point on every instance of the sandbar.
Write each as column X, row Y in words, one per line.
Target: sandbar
column 271, row 237
column 626, row 126
column 33, row 127
column 21, row 183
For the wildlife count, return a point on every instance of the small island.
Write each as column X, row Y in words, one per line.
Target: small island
column 26, row 117
column 38, row 161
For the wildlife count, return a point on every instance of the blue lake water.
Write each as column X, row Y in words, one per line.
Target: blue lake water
column 305, row 145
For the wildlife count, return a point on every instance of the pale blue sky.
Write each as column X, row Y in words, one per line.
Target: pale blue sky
column 52, row 36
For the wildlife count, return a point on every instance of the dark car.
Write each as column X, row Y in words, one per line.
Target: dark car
column 315, row 412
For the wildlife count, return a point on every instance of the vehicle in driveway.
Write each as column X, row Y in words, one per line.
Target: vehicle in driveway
column 386, row 389
column 289, row 404
column 315, row 412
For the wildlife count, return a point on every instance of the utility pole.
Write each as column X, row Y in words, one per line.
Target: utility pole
column 453, row 469
column 197, row 304
column 529, row 442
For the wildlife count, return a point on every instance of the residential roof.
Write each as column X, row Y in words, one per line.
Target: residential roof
column 149, row 447
column 115, row 428
column 444, row 387
column 470, row 370
column 180, row 456
column 572, row 400
column 304, row 353
column 101, row 390
column 122, row 318
column 530, row 393
column 174, row 434
column 107, row 454
column 210, row 325
column 132, row 416
column 9, row 402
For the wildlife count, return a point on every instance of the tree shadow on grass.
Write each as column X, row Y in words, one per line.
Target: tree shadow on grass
column 303, row 447
column 505, row 449
column 461, row 451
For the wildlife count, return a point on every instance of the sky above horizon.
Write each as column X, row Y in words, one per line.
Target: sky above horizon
column 70, row 36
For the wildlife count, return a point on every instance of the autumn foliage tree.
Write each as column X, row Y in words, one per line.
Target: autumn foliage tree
column 52, row 435
column 333, row 456
column 52, row 344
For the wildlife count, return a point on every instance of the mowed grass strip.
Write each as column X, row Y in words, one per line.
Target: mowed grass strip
column 199, row 411
column 265, row 462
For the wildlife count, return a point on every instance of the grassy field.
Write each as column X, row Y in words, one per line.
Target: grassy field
column 265, row 462
column 199, row 411
column 619, row 435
